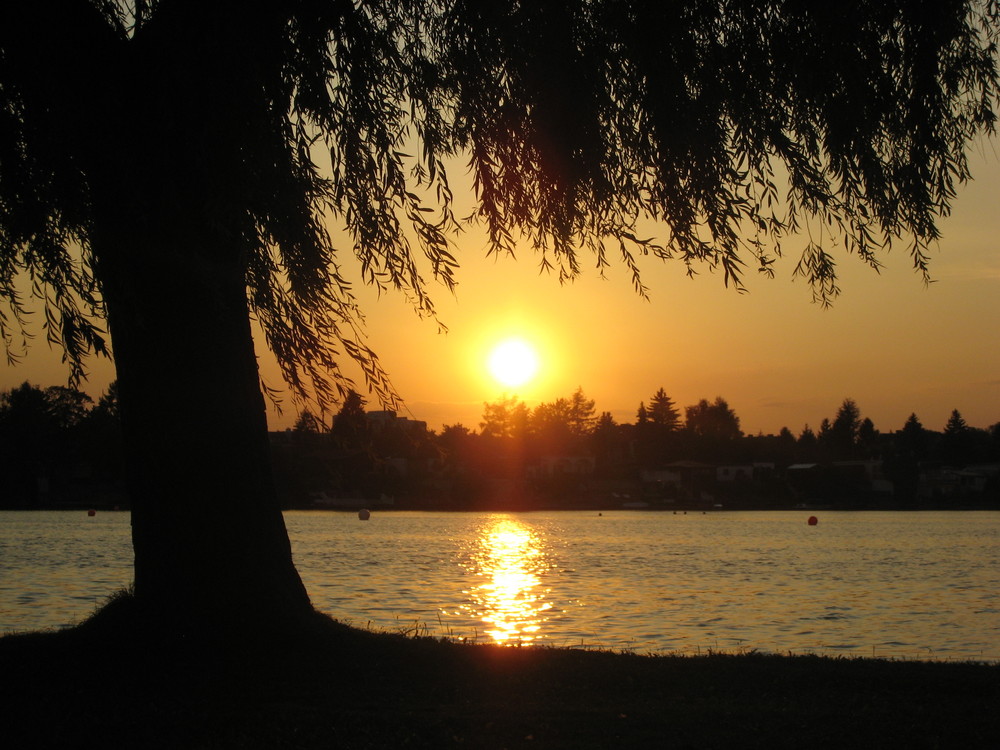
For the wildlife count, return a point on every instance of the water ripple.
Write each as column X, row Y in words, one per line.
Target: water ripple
column 889, row 584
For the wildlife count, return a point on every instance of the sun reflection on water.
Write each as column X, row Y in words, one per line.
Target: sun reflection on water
column 509, row 558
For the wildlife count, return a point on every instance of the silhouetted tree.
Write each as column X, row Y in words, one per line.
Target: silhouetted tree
column 101, row 440
column 868, row 437
column 994, row 433
column 785, row 448
column 956, row 440
column 550, row 426
column 26, row 430
column 715, row 420
column 507, row 417
column 909, row 449
column 655, row 430
column 711, row 431
column 807, row 445
column 67, row 407
column 823, row 435
column 43, row 437
column 913, row 438
column 350, row 425
column 108, row 404
column 580, row 418
column 607, row 441
column 561, row 425
column 307, row 422
column 956, row 424
column 662, row 411
column 24, row 406
column 842, row 435
column 641, row 415
column 454, row 440
column 157, row 165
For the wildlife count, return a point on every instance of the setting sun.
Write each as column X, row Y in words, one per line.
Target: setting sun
column 513, row 362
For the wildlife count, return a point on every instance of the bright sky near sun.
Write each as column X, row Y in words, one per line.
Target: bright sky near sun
column 890, row 343
column 513, row 362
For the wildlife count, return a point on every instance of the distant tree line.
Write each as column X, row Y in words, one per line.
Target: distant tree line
column 567, row 452
column 58, row 446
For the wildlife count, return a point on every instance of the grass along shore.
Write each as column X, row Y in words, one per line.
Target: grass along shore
column 107, row 683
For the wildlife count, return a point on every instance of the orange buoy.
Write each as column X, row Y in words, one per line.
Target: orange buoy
column 813, row 520
column 91, row 512
column 364, row 514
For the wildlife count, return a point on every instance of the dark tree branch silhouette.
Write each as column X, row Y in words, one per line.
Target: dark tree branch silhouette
column 160, row 171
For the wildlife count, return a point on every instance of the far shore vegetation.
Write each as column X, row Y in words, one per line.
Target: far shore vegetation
column 61, row 449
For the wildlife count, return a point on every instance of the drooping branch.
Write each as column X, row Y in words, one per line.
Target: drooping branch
column 709, row 133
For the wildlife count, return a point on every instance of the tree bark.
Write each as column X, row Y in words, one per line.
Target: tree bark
column 170, row 245
column 207, row 530
column 163, row 128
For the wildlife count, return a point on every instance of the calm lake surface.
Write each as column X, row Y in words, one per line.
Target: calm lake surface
column 893, row 584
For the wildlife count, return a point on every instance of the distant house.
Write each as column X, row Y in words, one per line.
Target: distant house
column 870, row 469
column 555, row 466
column 839, row 481
column 677, row 480
column 662, row 477
column 736, row 473
column 954, row 484
column 382, row 420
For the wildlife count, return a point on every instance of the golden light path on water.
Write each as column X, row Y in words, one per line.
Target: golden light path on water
column 508, row 558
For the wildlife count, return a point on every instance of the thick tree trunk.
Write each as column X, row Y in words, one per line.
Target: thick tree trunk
column 210, row 542
column 162, row 127
column 172, row 234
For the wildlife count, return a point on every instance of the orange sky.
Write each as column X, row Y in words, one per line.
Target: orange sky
column 890, row 343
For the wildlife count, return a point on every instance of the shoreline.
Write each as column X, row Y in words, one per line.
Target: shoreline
column 336, row 686
column 354, row 507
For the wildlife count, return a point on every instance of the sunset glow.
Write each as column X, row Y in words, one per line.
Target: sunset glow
column 894, row 345
column 513, row 362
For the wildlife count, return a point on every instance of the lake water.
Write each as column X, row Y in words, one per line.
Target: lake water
column 893, row 584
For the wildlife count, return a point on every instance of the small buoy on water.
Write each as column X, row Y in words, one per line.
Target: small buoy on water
column 813, row 520
column 364, row 514
column 91, row 512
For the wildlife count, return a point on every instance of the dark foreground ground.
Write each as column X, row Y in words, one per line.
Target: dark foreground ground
column 336, row 687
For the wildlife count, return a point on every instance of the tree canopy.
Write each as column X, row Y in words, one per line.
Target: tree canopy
column 721, row 127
